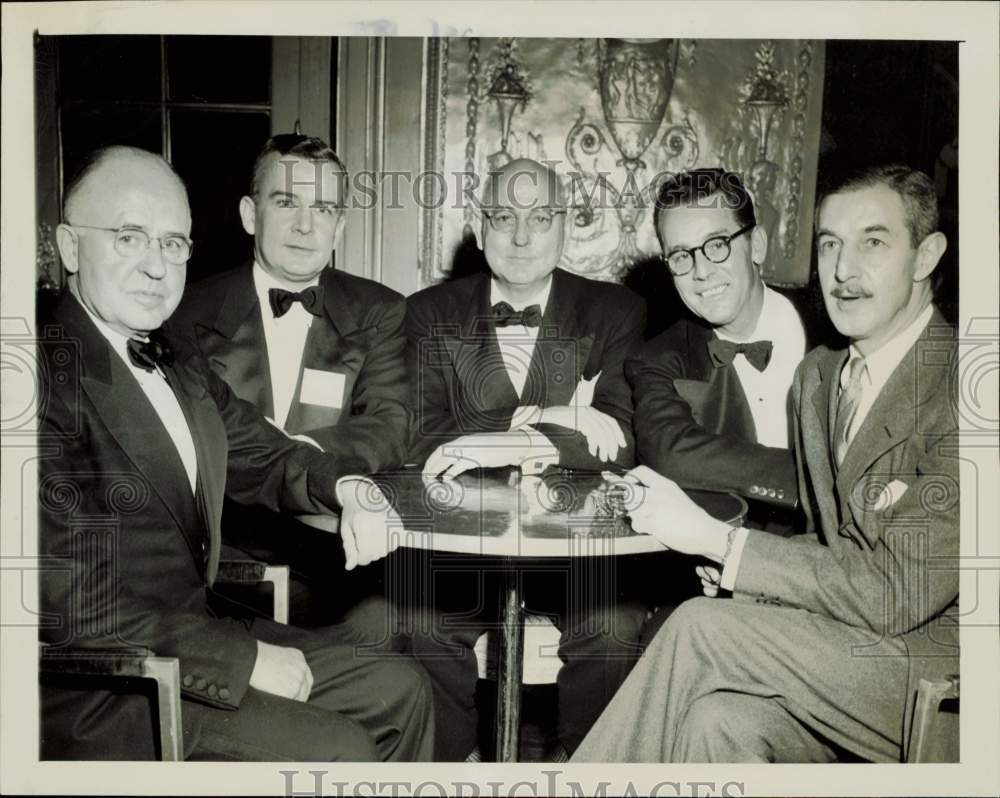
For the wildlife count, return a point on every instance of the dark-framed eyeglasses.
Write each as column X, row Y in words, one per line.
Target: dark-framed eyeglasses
column 131, row 242
column 539, row 220
column 715, row 249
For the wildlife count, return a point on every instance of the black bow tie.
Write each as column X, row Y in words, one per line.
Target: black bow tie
column 281, row 300
column 504, row 315
column 758, row 353
column 152, row 353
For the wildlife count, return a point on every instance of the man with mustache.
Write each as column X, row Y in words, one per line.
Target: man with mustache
column 819, row 649
column 318, row 351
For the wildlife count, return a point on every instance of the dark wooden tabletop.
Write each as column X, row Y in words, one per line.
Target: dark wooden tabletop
column 499, row 512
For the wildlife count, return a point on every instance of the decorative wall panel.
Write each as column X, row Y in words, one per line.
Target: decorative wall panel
column 614, row 116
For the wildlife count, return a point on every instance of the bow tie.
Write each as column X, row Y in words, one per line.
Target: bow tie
column 504, row 315
column 281, row 300
column 758, row 353
column 150, row 354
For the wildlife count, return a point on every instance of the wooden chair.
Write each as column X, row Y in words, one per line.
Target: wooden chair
column 934, row 733
column 165, row 671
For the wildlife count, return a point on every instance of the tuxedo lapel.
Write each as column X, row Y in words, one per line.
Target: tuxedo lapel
column 335, row 347
column 235, row 341
column 130, row 418
column 211, row 449
column 475, row 353
column 715, row 394
column 561, row 349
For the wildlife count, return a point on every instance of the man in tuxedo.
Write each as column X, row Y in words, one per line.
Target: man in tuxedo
column 523, row 367
column 140, row 442
column 820, row 648
column 316, row 350
column 712, row 392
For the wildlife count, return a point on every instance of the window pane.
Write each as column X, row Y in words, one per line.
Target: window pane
column 109, row 68
column 214, row 153
column 225, row 69
column 87, row 127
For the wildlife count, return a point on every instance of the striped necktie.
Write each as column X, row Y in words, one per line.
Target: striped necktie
column 847, row 407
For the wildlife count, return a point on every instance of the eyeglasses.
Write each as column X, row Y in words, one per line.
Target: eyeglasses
column 505, row 221
column 716, row 249
column 131, row 242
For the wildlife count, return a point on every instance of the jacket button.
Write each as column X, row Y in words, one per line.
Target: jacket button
column 224, row 693
column 188, row 680
column 201, row 684
column 781, row 494
column 753, row 489
column 212, row 690
column 771, row 493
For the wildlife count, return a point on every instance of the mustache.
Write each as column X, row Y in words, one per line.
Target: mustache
column 850, row 293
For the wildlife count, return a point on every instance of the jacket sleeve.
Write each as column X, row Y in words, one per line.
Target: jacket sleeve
column 378, row 427
column 438, row 414
column 670, row 441
column 908, row 576
column 612, row 395
column 90, row 598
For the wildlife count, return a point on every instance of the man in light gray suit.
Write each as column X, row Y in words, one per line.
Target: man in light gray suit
column 818, row 651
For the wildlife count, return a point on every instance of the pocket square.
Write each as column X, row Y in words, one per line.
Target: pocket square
column 889, row 495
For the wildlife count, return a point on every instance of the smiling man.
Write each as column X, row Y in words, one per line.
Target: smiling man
column 820, row 649
column 317, row 350
column 523, row 367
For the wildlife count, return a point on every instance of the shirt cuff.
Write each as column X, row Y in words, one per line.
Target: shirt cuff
column 732, row 564
column 542, row 455
column 359, row 488
column 524, row 415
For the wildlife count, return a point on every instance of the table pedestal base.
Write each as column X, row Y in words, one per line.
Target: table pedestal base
column 510, row 667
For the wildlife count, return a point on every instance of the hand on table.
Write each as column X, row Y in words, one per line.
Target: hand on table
column 369, row 526
column 281, row 671
column 658, row 507
column 481, row 450
column 603, row 434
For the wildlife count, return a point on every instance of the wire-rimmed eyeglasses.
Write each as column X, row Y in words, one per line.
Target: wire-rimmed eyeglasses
column 539, row 220
column 715, row 249
column 131, row 242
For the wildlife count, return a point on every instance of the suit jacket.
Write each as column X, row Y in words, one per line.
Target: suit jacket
column 132, row 551
column 460, row 385
column 359, row 336
column 693, row 423
column 883, row 529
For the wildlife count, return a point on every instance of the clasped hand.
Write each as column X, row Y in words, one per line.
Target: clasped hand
column 281, row 671
column 603, row 434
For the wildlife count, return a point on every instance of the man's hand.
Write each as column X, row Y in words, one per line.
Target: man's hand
column 283, row 671
column 710, row 577
column 658, row 507
column 482, row 450
column 604, row 435
column 369, row 526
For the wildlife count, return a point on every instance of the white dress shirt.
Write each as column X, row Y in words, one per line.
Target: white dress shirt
column 881, row 364
column 767, row 391
column 285, row 339
column 161, row 397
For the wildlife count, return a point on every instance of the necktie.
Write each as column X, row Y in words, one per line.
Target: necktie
column 152, row 353
column 281, row 300
column 504, row 315
column 758, row 353
column 847, row 407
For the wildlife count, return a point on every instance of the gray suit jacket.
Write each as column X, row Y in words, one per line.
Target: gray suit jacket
column 882, row 565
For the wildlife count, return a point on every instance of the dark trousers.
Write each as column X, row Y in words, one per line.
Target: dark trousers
column 598, row 620
column 362, row 708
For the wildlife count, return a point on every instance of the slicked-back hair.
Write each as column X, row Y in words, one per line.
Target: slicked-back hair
column 705, row 188
column 93, row 160
column 915, row 189
column 309, row 148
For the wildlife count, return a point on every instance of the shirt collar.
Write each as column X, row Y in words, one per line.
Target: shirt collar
column 541, row 297
column 883, row 361
column 117, row 340
column 767, row 327
column 264, row 282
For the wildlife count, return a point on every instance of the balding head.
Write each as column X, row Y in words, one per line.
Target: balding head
column 118, row 190
column 524, row 218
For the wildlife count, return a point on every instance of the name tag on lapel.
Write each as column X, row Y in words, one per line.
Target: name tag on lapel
column 324, row 388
